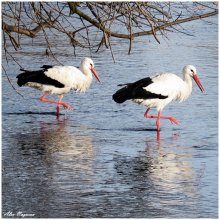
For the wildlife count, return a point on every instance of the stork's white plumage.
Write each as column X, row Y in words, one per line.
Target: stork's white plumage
column 160, row 90
column 59, row 80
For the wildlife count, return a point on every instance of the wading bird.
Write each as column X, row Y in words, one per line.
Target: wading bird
column 59, row 80
column 158, row 91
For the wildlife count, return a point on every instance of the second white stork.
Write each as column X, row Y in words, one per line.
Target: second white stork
column 158, row 91
column 59, row 80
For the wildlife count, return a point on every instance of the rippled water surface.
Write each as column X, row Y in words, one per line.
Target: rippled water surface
column 105, row 159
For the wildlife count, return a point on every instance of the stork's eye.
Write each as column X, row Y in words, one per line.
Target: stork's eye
column 192, row 71
column 91, row 64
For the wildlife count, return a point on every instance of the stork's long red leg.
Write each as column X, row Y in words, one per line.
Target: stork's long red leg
column 158, row 121
column 58, row 105
column 158, row 117
column 65, row 105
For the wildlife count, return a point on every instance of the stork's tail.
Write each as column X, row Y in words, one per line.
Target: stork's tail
column 24, row 77
column 123, row 94
column 32, row 76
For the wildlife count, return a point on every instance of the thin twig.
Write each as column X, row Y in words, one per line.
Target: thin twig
column 11, row 82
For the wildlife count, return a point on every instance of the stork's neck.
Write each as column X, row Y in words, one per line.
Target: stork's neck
column 87, row 72
column 85, row 84
column 187, row 87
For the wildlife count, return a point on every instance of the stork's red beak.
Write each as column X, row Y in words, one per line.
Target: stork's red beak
column 198, row 82
column 95, row 73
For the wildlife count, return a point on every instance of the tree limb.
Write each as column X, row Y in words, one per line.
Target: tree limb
column 137, row 34
column 28, row 32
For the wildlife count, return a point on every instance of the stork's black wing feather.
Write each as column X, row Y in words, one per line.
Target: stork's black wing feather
column 46, row 67
column 136, row 91
column 37, row 77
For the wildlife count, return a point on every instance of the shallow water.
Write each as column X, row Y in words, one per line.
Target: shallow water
column 105, row 159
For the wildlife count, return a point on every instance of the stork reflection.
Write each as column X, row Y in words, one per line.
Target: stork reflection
column 65, row 148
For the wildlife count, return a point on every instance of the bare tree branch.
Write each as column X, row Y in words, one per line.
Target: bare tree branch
column 30, row 33
column 80, row 20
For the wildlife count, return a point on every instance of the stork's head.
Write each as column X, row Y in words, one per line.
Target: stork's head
column 190, row 70
column 87, row 64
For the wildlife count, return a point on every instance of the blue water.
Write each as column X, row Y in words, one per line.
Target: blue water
column 105, row 159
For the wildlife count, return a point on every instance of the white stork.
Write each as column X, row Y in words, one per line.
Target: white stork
column 59, row 80
column 158, row 91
